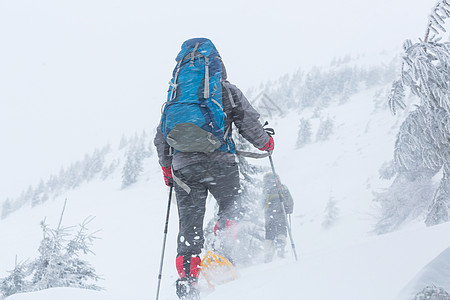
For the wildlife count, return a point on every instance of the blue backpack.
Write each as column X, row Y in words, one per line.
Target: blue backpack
column 193, row 119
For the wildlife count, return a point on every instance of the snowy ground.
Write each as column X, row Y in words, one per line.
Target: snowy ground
column 345, row 261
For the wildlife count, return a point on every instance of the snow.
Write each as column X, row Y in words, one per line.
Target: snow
column 59, row 293
column 436, row 272
column 344, row 261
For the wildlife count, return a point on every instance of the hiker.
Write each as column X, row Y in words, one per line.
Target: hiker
column 197, row 153
column 275, row 220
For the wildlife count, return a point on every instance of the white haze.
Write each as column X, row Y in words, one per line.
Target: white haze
column 75, row 74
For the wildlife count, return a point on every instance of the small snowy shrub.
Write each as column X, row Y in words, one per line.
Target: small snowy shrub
column 326, row 128
column 15, row 282
column 58, row 265
column 432, row 293
column 304, row 133
column 331, row 214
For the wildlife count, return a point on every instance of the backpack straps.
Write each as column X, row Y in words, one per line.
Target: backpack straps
column 206, row 89
column 174, row 84
column 193, row 54
column 252, row 154
column 183, row 185
column 230, row 95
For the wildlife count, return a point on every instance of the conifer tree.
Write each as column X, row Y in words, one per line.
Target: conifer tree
column 304, row 133
column 424, row 142
column 59, row 263
column 132, row 167
column 135, row 156
column 6, row 208
column 16, row 281
column 331, row 213
column 326, row 128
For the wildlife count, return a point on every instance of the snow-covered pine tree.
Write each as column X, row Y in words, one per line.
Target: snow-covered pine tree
column 39, row 194
column 439, row 208
column 73, row 176
column 132, row 167
column 6, row 208
column 295, row 86
column 326, row 128
column 304, row 135
column 312, row 88
column 94, row 164
column 432, row 292
column 137, row 152
column 53, row 184
column 59, row 263
column 406, row 199
column 331, row 213
column 108, row 170
column 16, row 281
column 348, row 84
column 426, row 72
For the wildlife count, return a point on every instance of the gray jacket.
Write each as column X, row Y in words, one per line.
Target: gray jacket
column 238, row 111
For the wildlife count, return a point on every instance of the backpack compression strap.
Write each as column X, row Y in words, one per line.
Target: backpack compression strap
column 192, row 56
column 206, row 89
column 253, row 154
column 174, row 84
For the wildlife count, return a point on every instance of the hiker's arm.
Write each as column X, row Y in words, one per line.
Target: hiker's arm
column 246, row 119
column 165, row 160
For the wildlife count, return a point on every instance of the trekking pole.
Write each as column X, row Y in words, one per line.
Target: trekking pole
column 282, row 207
column 164, row 243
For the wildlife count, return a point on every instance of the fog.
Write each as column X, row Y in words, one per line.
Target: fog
column 75, row 75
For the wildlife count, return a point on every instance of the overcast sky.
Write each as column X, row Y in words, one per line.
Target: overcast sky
column 75, row 74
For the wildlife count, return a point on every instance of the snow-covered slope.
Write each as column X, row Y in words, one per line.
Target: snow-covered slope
column 343, row 260
column 436, row 272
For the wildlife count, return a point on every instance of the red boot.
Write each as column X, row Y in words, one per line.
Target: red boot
column 188, row 268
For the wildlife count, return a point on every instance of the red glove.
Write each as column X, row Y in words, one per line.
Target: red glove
column 269, row 146
column 167, row 172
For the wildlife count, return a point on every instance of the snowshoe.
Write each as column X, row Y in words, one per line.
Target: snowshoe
column 216, row 269
column 187, row 289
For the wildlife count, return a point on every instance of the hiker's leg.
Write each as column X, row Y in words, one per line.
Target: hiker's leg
column 225, row 187
column 280, row 233
column 270, row 232
column 191, row 212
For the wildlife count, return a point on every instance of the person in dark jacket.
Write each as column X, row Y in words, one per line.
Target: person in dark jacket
column 275, row 220
column 194, row 174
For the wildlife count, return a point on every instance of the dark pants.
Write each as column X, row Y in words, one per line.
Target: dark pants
column 222, row 180
column 275, row 223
